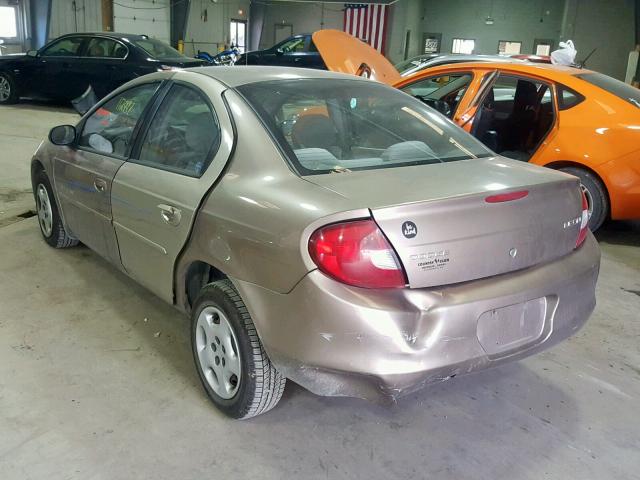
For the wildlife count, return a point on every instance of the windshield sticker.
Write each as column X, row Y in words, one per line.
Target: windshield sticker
column 125, row 105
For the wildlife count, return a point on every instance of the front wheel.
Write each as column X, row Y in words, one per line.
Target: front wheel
column 49, row 220
column 596, row 193
column 8, row 89
column 231, row 362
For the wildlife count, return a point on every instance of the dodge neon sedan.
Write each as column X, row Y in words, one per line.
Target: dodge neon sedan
column 319, row 227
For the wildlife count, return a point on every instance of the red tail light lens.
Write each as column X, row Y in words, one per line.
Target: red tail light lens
column 358, row 254
column 584, row 221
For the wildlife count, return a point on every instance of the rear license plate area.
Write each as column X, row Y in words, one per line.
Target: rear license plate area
column 507, row 330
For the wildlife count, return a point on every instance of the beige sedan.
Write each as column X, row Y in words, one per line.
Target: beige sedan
column 319, row 227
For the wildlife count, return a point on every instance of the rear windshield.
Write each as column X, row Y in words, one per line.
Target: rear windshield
column 343, row 125
column 611, row 85
column 157, row 49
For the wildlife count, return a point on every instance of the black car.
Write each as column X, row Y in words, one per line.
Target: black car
column 65, row 68
column 295, row 51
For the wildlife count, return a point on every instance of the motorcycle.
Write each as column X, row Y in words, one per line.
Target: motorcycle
column 227, row 57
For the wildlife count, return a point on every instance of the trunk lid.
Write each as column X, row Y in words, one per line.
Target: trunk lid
column 344, row 53
column 444, row 230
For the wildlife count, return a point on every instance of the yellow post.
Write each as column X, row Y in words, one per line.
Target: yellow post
column 181, row 46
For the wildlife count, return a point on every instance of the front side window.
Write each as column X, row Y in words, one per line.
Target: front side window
column 442, row 92
column 106, row 48
column 67, row 47
column 183, row 134
column 342, row 125
column 110, row 128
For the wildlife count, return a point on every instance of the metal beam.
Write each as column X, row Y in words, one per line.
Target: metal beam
column 179, row 18
column 40, row 17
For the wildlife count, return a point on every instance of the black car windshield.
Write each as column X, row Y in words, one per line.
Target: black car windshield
column 157, row 49
column 611, row 85
column 331, row 125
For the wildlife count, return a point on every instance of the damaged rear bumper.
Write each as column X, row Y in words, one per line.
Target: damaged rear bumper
column 337, row 340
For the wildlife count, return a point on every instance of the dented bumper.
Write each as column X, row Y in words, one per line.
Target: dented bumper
column 338, row 340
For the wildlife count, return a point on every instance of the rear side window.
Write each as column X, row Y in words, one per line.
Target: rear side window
column 183, row 135
column 611, row 85
column 106, row 48
column 110, row 128
column 568, row 98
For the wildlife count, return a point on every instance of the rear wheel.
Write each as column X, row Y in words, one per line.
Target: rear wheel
column 8, row 90
column 231, row 362
column 596, row 194
column 49, row 220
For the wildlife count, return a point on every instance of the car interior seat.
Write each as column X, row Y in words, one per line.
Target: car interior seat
column 523, row 117
column 315, row 131
column 97, row 50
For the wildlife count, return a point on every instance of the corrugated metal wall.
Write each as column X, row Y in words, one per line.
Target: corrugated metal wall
column 70, row 16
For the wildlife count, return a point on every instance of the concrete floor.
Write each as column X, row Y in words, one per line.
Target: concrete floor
column 97, row 382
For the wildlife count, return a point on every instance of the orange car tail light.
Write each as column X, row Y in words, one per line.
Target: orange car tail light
column 357, row 253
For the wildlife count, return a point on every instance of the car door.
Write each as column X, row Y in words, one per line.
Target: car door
column 156, row 194
column 60, row 64
column 514, row 114
column 103, row 63
column 83, row 176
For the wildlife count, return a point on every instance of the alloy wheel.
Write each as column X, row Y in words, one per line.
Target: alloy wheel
column 218, row 355
column 45, row 214
column 5, row 88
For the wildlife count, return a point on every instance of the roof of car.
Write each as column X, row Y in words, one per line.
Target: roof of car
column 242, row 75
column 542, row 69
column 131, row 36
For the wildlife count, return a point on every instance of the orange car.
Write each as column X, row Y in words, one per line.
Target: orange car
column 575, row 120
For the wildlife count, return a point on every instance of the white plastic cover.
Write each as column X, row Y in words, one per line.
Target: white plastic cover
column 565, row 55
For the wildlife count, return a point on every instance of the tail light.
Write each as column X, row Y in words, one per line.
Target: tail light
column 584, row 221
column 356, row 253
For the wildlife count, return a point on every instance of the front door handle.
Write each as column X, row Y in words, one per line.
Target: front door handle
column 100, row 185
column 170, row 215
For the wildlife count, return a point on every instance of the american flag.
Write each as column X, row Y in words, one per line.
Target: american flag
column 368, row 22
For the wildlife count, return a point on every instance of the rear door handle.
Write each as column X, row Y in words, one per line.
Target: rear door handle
column 100, row 185
column 170, row 214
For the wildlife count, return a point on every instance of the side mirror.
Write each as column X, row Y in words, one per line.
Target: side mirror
column 62, row 135
column 32, row 53
column 279, row 51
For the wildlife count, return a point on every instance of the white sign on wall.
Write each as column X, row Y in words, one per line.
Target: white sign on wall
column 143, row 17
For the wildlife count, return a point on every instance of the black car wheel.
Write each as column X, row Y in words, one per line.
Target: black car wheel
column 596, row 193
column 231, row 362
column 49, row 220
column 8, row 90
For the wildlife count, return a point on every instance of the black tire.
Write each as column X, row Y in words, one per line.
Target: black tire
column 58, row 236
column 596, row 195
column 260, row 386
column 13, row 89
